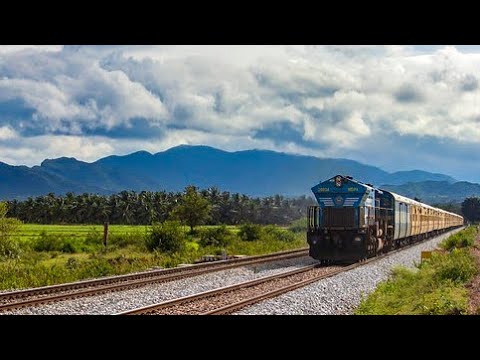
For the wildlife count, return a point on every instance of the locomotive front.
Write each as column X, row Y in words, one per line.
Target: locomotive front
column 337, row 228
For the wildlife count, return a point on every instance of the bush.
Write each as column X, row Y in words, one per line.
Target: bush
column 8, row 226
column 415, row 293
column 299, row 225
column 94, row 238
column 167, row 237
column 217, row 236
column 51, row 242
column 437, row 287
column 192, row 246
column 9, row 248
column 458, row 266
column 275, row 233
column 460, row 239
column 250, row 232
column 126, row 239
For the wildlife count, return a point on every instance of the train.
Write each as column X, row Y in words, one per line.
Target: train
column 354, row 221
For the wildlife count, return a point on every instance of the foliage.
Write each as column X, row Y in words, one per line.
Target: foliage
column 40, row 269
column 143, row 208
column 437, row 286
column 125, row 253
column 46, row 242
column 166, row 237
column 299, row 225
column 216, row 236
column 250, row 232
column 8, row 226
column 123, row 240
column 274, row 232
column 460, row 239
column 458, row 266
column 193, row 209
column 414, row 293
column 471, row 209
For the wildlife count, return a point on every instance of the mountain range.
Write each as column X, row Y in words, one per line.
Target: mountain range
column 436, row 192
column 251, row 172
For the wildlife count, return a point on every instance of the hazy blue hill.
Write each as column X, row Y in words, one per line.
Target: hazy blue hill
column 106, row 177
column 21, row 181
column 253, row 172
column 402, row 177
column 436, row 191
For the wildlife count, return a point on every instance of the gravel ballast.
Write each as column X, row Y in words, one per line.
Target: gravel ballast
column 341, row 294
column 120, row 301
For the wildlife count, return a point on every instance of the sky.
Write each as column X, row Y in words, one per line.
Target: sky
column 395, row 107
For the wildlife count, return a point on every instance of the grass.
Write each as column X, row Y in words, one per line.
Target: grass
column 29, row 231
column 461, row 239
column 53, row 254
column 435, row 287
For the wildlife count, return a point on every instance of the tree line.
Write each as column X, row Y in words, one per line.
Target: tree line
column 193, row 206
column 469, row 208
column 146, row 207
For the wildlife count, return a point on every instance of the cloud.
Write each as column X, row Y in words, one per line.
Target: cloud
column 5, row 49
column 6, row 133
column 408, row 94
column 335, row 101
column 70, row 93
column 469, row 83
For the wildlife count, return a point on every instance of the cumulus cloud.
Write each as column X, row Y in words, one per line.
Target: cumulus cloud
column 91, row 101
column 6, row 133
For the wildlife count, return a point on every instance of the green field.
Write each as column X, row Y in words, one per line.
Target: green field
column 52, row 254
column 30, row 231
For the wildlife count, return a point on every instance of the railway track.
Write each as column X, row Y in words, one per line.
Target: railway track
column 229, row 299
column 42, row 295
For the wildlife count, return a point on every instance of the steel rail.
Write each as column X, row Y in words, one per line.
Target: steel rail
column 226, row 309
column 84, row 288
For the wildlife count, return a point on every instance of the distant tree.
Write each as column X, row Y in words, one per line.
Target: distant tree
column 144, row 208
column 8, row 226
column 471, row 209
column 451, row 207
column 193, row 209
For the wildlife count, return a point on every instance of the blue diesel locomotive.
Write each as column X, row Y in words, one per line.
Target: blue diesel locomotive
column 354, row 221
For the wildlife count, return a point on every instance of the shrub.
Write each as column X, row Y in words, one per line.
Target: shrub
column 9, row 248
column 72, row 264
column 51, row 242
column 217, row 236
column 299, row 225
column 8, row 226
column 275, row 233
column 94, row 238
column 415, row 292
column 192, row 246
column 167, row 237
column 460, row 239
column 458, row 266
column 437, row 287
column 250, row 232
column 126, row 239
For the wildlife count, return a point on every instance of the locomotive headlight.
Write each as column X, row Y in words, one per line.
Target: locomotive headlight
column 338, row 181
column 357, row 239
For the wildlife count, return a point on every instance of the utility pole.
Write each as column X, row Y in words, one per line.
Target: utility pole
column 105, row 233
